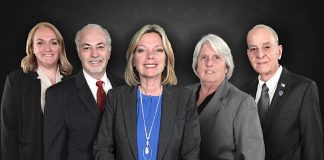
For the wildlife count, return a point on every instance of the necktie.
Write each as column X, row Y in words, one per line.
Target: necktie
column 101, row 96
column 263, row 103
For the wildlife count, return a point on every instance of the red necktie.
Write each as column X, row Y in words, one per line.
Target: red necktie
column 101, row 96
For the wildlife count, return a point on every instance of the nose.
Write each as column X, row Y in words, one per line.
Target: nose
column 94, row 53
column 209, row 62
column 47, row 46
column 150, row 54
column 260, row 53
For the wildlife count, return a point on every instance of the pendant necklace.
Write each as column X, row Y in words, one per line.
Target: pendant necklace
column 147, row 150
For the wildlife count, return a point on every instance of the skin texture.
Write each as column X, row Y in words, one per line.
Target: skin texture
column 94, row 53
column 263, row 52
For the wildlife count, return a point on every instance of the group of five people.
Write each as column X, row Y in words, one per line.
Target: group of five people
column 151, row 117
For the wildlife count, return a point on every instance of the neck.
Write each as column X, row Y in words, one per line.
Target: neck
column 208, row 88
column 265, row 77
column 151, row 89
column 50, row 73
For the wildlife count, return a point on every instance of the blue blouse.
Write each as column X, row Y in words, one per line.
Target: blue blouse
column 149, row 108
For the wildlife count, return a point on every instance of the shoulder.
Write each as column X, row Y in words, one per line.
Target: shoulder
column 123, row 89
column 65, row 85
column 298, row 81
column 193, row 86
column 238, row 94
column 180, row 91
column 116, row 80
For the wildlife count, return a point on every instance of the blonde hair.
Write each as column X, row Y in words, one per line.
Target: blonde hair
column 29, row 62
column 168, row 75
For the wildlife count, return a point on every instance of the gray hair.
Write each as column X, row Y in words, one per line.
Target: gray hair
column 221, row 48
column 92, row 26
column 263, row 26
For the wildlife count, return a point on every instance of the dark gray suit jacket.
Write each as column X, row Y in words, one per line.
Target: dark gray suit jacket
column 230, row 126
column 179, row 132
column 293, row 126
column 71, row 119
column 21, row 117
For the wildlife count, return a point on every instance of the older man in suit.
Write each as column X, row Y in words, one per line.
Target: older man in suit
column 291, row 117
column 72, row 116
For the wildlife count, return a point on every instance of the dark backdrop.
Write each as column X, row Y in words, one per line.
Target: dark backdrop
column 298, row 22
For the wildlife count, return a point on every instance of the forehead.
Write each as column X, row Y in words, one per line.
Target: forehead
column 260, row 36
column 92, row 36
column 206, row 47
column 44, row 32
column 150, row 39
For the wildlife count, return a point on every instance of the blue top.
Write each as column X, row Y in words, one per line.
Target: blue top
column 149, row 108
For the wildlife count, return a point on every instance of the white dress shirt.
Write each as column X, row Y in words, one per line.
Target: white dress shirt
column 271, row 84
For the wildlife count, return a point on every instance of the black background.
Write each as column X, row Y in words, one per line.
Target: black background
column 298, row 23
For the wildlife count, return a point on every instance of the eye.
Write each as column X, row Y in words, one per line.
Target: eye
column 101, row 47
column 85, row 48
column 252, row 49
column 160, row 50
column 54, row 43
column 139, row 50
column 40, row 43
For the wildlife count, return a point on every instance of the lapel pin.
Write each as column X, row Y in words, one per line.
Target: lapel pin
column 283, row 85
column 280, row 93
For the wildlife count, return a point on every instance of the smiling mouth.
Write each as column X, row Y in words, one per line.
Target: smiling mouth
column 95, row 62
column 209, row 72
column 48, row 55
column 150, row 65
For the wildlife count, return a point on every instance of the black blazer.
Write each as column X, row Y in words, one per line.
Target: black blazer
column 293, row 126
column 71, row 119
column 21, row 117
column 179, row 132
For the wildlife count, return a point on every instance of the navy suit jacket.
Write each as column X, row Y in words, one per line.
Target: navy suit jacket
column 293, row 126
column 71, row 119
column 179, row 130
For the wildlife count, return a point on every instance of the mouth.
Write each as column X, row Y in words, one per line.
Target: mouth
column 95, row 61
column 150, row 65
column 209, row 72
column 48, row 55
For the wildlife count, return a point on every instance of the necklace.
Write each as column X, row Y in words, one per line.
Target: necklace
column 147, row 150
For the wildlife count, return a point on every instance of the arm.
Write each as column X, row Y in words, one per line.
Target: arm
column 311, row 125
column 55, row 140
column 9, row 122
column 104, row 145
column 191, row 141
column 247, row 131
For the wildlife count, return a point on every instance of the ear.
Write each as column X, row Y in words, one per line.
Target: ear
column 280, row 49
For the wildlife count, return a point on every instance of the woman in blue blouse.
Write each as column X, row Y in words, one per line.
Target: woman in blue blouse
column 150, row 118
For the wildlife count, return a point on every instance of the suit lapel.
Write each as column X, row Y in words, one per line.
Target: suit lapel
column 281, row 91
column 169, row 103
column 86, row 95
column 129, row 108
column 215, row 104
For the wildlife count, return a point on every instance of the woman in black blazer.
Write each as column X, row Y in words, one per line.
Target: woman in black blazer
column 150, row 118
column 23, row 98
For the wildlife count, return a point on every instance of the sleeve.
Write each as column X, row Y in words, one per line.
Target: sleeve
column 248, row 135
column 55, row 141
column 311, row 124
column 104, row 145
column 191, row 141
column 9, row 121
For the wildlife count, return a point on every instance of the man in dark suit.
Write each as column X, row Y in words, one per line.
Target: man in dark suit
column 291, row 120
column 72, row 116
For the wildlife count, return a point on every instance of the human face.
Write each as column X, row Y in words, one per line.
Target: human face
column 94, row 52
column 46, row 47
column 264, row 52
column 211, row 66
column 149, row 56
